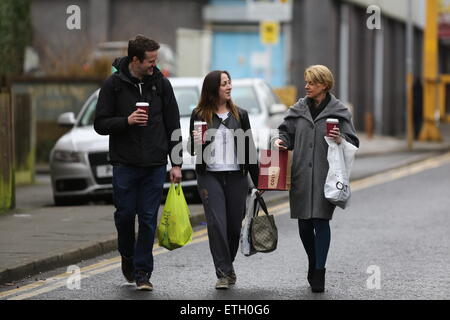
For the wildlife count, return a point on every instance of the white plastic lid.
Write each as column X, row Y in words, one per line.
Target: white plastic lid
column 142, row 104
column 198, row 123
column 332, row 120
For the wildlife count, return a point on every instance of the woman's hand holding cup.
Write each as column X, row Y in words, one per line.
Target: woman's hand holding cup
column 335, row 134
column 199, row 132
column 333, row 130
column 197, row 136
column 280, row 144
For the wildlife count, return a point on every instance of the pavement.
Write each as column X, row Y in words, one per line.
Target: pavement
column 37, row 236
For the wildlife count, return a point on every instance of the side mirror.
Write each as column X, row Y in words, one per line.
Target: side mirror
column 277, row 108
column 66, row 119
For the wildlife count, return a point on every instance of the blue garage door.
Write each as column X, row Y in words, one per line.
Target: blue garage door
column 244, row 56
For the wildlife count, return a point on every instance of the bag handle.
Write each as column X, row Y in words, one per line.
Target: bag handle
column 262, row 203
column 176, row 188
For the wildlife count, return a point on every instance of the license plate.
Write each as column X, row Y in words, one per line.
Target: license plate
column 105, row 171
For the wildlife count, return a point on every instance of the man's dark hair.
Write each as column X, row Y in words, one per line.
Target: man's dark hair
column 139, row 45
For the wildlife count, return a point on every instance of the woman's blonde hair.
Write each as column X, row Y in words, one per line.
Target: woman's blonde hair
column 320, row 74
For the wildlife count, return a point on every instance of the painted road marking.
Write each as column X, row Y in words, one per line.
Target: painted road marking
column 100, row 269
column 401, row 172
column 116, row 261
column 60, row 281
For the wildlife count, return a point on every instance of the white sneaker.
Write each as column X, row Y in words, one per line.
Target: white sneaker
column 223, row 283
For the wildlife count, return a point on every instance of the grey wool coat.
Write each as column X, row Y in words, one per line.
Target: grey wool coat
column 305, row 137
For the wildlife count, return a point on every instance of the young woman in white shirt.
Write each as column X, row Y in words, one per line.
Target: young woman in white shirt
column 223, row 163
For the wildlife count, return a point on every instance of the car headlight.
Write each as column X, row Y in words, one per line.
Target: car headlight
column 66, row 156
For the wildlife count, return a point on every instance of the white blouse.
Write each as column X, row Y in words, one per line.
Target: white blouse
column 223, row 155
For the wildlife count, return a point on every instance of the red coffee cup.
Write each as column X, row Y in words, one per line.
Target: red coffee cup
column 201, row 127
column 144, row 107
column 331, row 124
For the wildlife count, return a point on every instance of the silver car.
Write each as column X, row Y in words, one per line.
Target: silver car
column 79, row 163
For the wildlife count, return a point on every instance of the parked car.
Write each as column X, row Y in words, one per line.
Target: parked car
column 79, row 163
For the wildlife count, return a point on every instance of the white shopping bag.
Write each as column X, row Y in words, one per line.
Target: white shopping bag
column 340, row 159
column 245, row 237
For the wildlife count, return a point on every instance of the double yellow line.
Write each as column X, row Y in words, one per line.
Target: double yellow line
column 59, row 281
column 402, row 172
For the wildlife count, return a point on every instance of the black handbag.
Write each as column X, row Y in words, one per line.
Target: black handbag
column 264, row 232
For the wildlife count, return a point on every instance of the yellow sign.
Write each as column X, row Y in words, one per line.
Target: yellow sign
column 269, row 32
column 444, row 6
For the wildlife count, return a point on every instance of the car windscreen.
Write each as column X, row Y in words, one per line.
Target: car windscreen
column 245, row 97
column 87, row 118
column 187, row 99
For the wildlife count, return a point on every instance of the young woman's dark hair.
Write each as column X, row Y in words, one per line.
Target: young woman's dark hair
column 139, row 45
column 209, row 99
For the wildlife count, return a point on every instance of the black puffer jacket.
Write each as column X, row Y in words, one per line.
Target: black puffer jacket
column 135, row 145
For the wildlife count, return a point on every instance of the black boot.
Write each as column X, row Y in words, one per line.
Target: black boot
column 318, row 280
column 310, row 274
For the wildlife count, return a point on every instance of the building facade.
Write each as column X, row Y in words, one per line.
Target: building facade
column 58, row 46
column 367, row 57
column 369, row 64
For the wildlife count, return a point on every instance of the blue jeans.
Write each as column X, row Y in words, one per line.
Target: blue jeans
column 137, row 191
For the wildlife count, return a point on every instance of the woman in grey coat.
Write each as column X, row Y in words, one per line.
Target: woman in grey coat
column 303, row 131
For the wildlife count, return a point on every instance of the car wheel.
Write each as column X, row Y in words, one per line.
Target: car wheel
column 68, row 201
column 195, row 198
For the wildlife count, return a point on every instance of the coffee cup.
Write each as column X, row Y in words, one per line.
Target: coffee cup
column 144, row 107
column 201, row 128
column 331, row 124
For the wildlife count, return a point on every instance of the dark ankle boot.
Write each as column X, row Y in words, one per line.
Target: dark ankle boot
column 310, row 274
column 318, row 280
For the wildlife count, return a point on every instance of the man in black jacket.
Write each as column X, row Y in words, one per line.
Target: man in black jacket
column 138, row 148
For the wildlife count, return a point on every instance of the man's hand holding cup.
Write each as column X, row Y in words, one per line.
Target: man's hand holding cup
column 140, row 116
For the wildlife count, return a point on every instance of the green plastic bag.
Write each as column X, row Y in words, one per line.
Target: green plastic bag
column 174, row 229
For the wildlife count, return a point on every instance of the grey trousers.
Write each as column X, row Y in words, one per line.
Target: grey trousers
column 224, row 197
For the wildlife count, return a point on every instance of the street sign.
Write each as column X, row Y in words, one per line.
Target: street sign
column 269, row 32
column 273, row 10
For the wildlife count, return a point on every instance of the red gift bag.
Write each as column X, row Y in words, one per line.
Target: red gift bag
column 275, row 170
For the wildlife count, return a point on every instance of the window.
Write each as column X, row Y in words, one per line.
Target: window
column 187, row 98
column 245, row 98
column 87, row 119
column 269, row 97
